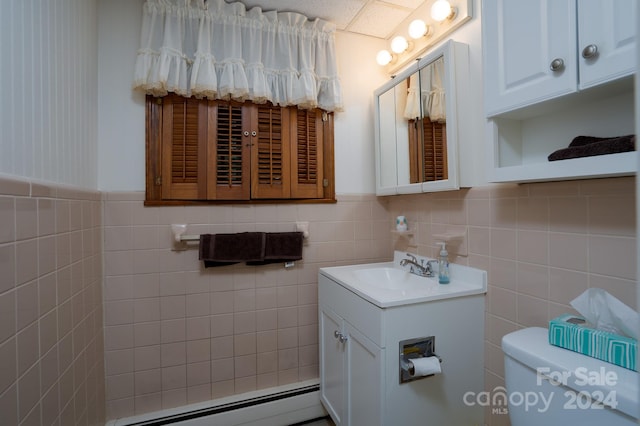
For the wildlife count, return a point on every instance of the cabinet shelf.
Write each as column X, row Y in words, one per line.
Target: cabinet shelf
column 611, row 165
column 522, row 141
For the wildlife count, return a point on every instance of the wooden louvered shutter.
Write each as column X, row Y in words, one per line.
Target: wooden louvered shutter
column 435, row 150
column 184, row 144
column 270, row 152
column 229, row 166
column 306, row 156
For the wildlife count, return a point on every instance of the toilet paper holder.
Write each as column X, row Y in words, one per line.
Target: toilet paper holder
column 411, row 349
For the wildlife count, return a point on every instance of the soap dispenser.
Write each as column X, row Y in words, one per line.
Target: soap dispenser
column 443, row 265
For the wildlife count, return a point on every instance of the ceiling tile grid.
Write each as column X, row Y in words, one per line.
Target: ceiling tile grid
column 339, row 12
column 370, row 17
column 379, row 20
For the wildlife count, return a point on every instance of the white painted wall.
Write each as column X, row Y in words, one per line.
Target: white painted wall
column 121, row 128
column 68, row 114
column 48, row 96
column 121, row 123
column 360, row 75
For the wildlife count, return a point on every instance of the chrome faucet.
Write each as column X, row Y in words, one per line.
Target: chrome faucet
column 419, row 269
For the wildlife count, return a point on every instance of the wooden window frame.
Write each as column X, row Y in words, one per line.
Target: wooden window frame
column 158, row 192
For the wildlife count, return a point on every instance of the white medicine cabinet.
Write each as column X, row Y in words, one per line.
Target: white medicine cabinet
column 555, row 70
column 418, row 116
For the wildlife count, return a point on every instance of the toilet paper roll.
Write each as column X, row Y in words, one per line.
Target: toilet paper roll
column 425, row 366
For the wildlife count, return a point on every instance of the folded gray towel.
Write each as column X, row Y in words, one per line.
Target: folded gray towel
column 588, row 146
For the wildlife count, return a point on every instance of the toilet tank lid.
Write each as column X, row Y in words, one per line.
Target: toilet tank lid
column 531, row 347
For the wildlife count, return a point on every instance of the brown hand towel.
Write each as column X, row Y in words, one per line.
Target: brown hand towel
column 588, row 146
column 281, row 247
column 227, row 249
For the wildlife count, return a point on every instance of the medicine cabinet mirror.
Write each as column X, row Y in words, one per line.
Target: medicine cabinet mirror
column 416, row 125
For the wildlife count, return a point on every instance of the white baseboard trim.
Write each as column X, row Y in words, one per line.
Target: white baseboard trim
column 285, row 405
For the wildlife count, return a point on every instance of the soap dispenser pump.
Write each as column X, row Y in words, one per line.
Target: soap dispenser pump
column 443, row 265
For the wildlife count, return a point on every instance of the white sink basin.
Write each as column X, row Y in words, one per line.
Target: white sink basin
column 388, row 284
column 391, row 278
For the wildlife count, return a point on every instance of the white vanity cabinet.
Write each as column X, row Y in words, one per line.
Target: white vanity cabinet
column 359, row 355
column 553, row 70
column 351, row 364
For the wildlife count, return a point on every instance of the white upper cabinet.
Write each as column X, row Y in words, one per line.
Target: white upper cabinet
column 606, row 40
column 555, row 70
column 539, row 50
column 524, row 40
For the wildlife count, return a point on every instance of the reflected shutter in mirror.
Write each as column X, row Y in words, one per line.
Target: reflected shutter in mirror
column 435, row 150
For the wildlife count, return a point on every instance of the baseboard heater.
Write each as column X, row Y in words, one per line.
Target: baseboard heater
column 292, row 406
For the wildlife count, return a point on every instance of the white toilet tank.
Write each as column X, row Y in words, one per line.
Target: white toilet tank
column 548, row 385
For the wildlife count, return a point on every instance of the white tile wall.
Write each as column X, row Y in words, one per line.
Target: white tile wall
column 176, row 332
column 51, row 329
column 542, row 244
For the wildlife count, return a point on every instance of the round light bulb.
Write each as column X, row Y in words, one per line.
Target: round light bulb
column 440, row 10
column 417, row 29
column 383, row 57
column 399, row 44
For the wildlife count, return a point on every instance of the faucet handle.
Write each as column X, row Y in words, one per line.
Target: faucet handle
column 412, row 257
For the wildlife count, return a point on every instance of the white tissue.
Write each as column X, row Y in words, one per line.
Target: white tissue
column 607, row 313
column 425, row 366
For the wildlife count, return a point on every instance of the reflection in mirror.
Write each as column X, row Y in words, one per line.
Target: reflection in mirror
column 403, row 132
column 417, row 124
column 425, row 111
column 387, row 128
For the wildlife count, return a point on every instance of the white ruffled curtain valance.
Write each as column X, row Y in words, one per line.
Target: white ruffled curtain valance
column 218, row 50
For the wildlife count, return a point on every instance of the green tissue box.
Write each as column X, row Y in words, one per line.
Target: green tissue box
column 574, row 333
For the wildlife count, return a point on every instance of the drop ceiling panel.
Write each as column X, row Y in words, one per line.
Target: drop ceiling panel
column 409, row 4
column 379, row 20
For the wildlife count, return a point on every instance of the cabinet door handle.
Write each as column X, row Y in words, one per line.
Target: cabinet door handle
column 341, row 337
column 557, row 65
column 254, row 133
column 245, row 133
column 589, row 52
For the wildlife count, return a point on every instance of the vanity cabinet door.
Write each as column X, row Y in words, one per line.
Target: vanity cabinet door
column 365, row 371
column 333, row 368
column 606, row 40
column 529, row 50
